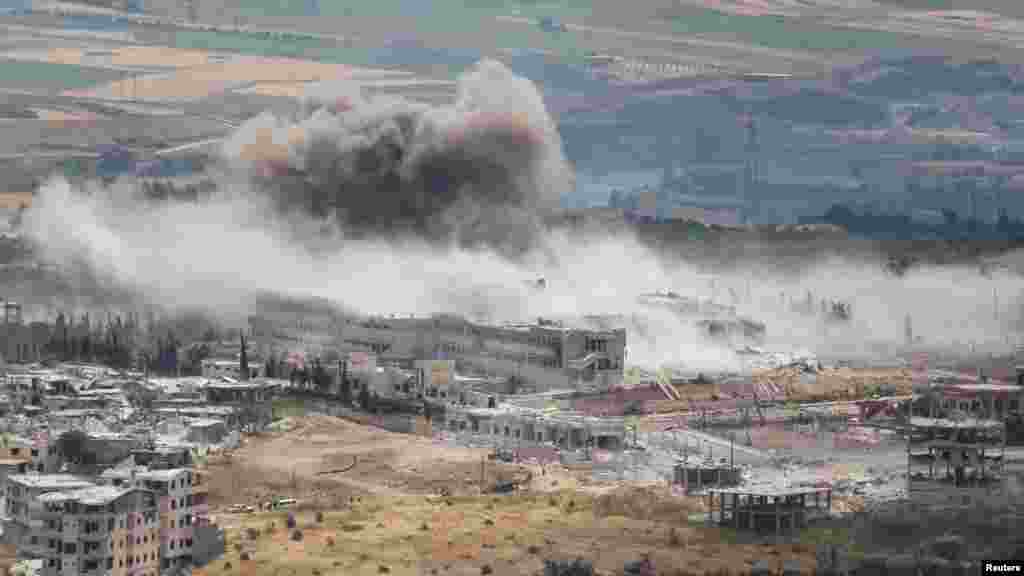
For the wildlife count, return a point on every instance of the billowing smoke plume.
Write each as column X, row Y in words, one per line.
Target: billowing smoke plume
column 479, row 172
column 431, row 202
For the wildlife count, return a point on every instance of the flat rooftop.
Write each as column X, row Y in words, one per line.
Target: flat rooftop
column 220, row 385
column 921, row 422
column 193, row 409
column 50, row 481
column 777, row 493
column 995, row 387
column 91, row 496
column 161, row 475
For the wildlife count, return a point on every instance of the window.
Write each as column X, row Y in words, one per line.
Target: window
column 110, row 563
column 70, row 548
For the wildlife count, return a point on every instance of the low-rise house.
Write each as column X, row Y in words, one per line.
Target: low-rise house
column 229, row 414
column 215, row 368
column 162, row 457
column 207, row 431
column 250, row 400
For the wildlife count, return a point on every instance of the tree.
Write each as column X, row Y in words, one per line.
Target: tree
column 321, row 380
column 269, row 367
column 74, row 447
column 195, row 354
column 86, row 346
column 346, row 389
column 364, row 395
column 243, row 361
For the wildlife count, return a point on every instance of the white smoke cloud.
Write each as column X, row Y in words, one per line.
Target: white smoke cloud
column 225, row 254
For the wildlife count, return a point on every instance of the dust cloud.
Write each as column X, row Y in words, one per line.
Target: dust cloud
column 387, row 206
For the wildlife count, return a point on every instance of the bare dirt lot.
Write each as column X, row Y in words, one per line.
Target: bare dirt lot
column 325, row 460
column 383, row 512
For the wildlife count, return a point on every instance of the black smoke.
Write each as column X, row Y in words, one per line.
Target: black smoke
column 483, row 171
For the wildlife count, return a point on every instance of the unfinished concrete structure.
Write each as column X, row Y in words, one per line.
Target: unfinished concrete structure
column 962, row 452
column 21, row 493
column 696, row 476
column 181, row 501
column 98, row 530
column 775, row 511
column 512, row 425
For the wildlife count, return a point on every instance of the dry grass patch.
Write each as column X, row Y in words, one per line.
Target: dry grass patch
column 512, row 534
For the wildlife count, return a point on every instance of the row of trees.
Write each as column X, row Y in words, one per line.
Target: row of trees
column 111, row 344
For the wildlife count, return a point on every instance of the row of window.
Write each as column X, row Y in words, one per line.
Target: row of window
column 997, row 404
column 596, row 345
column 184, row 543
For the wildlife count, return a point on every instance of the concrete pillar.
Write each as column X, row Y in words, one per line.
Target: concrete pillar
column 736, row 510
column 778, row 516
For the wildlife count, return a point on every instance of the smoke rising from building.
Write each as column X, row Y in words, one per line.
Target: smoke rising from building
column 482, row 171
column 437, row 210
